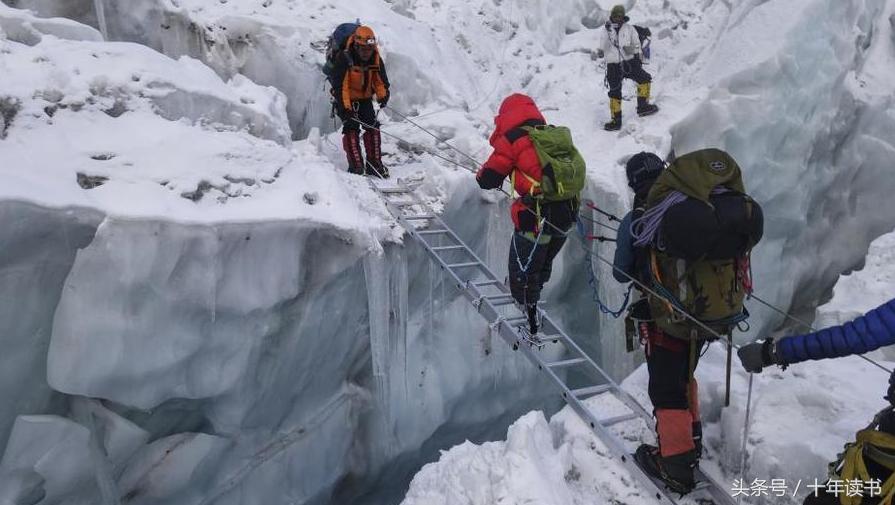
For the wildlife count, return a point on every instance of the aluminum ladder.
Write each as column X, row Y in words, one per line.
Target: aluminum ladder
column 491, row 298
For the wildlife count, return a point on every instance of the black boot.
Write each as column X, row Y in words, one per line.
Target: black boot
column 615, row 124
column 697, row 438
column 644, row 108
column 531, row 310
column 676, row 472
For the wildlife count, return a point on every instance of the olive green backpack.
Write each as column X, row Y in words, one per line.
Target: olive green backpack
column 713, row 290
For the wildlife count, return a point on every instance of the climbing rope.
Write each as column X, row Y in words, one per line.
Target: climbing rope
column 810, row 327
column 445, row 142
column 592, row 278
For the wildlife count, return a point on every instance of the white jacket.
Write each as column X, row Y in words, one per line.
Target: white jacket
column 614, row 43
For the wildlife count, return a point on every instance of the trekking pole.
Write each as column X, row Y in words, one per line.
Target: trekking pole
column 810, row 327
column 445, row 142
column 745, row 438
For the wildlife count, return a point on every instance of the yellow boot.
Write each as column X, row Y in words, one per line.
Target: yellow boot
column 615, row 108
column 644, row 108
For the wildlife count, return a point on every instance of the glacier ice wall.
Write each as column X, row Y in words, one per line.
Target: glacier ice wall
column 813, row 125
column 39, row 252
column 250, row 354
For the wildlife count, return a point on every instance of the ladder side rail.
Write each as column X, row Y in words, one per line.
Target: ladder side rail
column 612, row 442
column 510, row 334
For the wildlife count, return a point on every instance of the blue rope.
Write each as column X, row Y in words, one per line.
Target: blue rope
column 592, row 280
column 531, row 255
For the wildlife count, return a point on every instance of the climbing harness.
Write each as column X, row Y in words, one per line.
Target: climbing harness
column 592, row 278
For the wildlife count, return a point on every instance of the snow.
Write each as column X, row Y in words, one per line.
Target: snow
column 231, row 306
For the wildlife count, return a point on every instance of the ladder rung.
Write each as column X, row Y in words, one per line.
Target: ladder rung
column 590, row 391
column 619, row 419
column 464, row 265
column 501, row 301
column 516, row 321
column 558, row 336
column 564, row 363
column 392, row 191
column 418, row 217
column 479, row 284
column 431, row 232
column 449, row 247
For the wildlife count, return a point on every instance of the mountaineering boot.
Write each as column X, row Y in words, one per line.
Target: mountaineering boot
column 373, row 147
column 615, row 124
column 676, row 471
column 644, row 108
column 531, row 310
column 615, row 108
column 697, row 438
column 351, row 144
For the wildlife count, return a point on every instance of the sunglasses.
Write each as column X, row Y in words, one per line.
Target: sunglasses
column 366, row 42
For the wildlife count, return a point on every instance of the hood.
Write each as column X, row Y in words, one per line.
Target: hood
column 515, row 110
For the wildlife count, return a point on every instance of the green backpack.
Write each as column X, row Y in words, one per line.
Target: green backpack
column 563, row 167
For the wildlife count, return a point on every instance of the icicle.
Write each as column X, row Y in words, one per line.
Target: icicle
column 375, row 267
column 100, row 9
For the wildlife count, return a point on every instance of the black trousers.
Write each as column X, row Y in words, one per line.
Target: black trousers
column 669, row 374
column 365, row 113
column 631, row 69
column 531, row 265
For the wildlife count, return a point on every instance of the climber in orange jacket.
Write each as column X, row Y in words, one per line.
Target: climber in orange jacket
column 359, row 76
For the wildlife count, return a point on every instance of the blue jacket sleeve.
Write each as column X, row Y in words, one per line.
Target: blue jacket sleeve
column 624, row 251
column 866, row 333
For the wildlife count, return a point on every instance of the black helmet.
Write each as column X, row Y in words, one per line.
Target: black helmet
column 642, row 170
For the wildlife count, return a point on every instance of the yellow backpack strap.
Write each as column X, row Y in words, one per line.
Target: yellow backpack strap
column 854, row 467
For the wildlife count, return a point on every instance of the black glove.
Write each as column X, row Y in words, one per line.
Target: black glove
column 890, row 395
column 384, row 101
column 757, row 355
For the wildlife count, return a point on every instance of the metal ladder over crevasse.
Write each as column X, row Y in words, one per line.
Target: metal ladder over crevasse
column 491, row 298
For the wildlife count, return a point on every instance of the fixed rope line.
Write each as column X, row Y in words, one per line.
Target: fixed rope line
column 592, row 254
column 810, row 327
column 387, row 134
column 594, row 221
column 445, row 142
column 565, row 233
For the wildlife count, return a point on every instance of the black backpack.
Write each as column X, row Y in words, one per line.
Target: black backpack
column 645, row 36
column 336, row 44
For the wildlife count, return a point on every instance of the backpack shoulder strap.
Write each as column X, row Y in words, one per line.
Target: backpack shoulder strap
column 520, row 131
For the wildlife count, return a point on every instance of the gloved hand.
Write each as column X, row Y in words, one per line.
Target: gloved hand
column 384, row 100
column 600, row 53
column 890, row 395
column 347, row 114
column 630, row 50
column 757, row 355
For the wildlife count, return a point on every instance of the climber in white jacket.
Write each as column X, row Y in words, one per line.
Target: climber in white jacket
column 620, row 45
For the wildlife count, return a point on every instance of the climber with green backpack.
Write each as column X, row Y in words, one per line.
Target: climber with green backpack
column 688, row 241
column 548, row 174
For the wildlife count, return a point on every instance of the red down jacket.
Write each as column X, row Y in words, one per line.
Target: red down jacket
column 513, row 151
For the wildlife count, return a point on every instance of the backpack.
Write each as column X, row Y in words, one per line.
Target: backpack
column 645, row 36
column 563, row 167
column 337, row 43
column 699, row 257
